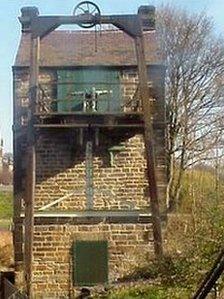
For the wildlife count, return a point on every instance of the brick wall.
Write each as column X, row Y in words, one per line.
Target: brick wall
column 61, row 171
column 128, row 84
column 61, row 160
column 120, row 183
column 129, row 245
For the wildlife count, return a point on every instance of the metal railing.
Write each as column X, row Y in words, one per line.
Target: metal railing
column 211, row 278
column 11, row 292
column 88, row 97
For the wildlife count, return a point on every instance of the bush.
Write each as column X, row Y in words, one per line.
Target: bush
column 194, row 236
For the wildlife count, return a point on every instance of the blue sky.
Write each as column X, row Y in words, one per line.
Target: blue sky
column 10, row 33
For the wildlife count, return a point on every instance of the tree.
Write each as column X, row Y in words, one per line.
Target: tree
column 194, row 57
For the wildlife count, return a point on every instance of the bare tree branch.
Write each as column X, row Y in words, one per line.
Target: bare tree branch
column 194, row 90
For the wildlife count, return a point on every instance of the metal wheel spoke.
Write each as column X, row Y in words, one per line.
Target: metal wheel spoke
column 86, row 7
column 81, row 9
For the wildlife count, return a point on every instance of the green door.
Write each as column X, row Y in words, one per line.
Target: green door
column 105, row 81
column 90, row 263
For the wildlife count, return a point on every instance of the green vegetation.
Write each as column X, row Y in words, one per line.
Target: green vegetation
column 151, row 292
column 194, row 234
column 6, row 208
column 6, row 214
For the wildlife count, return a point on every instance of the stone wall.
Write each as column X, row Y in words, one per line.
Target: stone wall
column 119, row 181
column 129, row 245
column 61, row 171
column 61, row 160
column 48, row 91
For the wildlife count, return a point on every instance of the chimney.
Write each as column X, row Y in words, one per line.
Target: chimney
column 27, row 13
column 147, row 17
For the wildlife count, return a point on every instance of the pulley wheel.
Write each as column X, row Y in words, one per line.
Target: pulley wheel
column 86, row 8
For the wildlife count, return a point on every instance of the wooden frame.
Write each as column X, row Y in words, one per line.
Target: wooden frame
column 40, row 26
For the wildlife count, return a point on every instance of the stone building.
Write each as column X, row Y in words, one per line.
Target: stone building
column 92, row 206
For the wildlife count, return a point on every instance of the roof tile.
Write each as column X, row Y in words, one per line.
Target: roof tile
column 77, row 48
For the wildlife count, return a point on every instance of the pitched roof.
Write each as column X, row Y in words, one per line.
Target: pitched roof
column 77, row 48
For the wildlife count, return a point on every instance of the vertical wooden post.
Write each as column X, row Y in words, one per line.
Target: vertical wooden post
column 148, row 136
column 17, row 187
column 31, row 166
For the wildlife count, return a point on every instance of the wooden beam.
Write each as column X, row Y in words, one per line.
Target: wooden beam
column 31, row 167
column 92, row 114
column 91, row 213
column 65, row 126
column 147, row 101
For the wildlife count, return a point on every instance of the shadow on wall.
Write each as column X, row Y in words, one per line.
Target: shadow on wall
column 57, row 152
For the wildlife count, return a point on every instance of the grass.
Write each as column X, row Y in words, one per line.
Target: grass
column 5, row 224
column 6, row 207
column 6, row 214
column 150, row 292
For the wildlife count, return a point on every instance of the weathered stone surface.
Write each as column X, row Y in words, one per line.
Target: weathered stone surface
column 118, row 186
column 129, row 245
